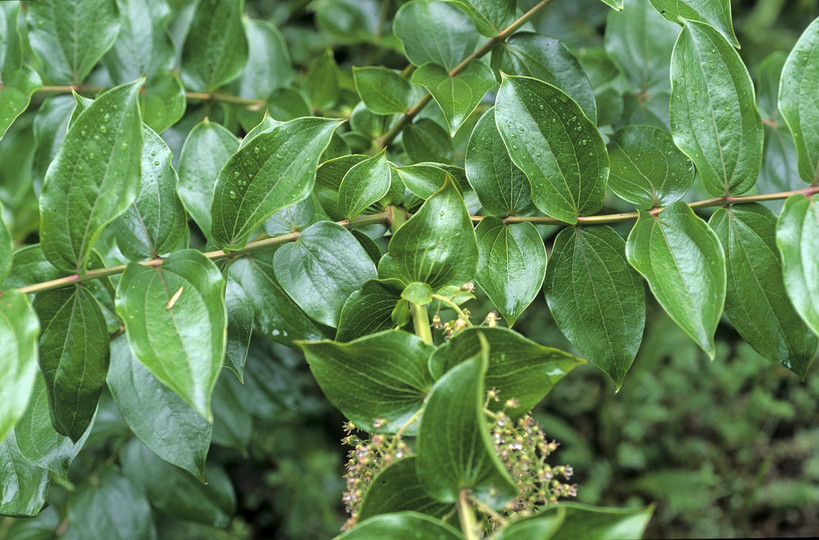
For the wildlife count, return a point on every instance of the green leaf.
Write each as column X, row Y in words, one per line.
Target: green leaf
column 596, row 298
column 277, row 170
column 714, row 117
column 426, row 140
column 10, row 46
column 268, row 64
column 501, row 187
column 321, row 269
column 379, row 381
column 457, row 96
column 647, row 169
column 541, row 526
column 153, row 411
column 206, row 150
column 232, row 422
column 328, row 180
column 24, row 485
column 397, row 488
column 364, row 184
column 6, row 249
column 215, row 49
column 402, row 526
column 162, row 102
column 756, row 302
column 454, row 34
column 321, row 83
column 369, row 310
column 156, row 222
column 797, row 236
column 350, row 21
column 424, row 179
column 615, row 4
column 683, row 262
column 798, row 103
column 600, row 523
column 715, row 13
column 93, row 178
column 50, row 126
column 491, row 17
column 511, row 265
column 19, row 328
column 518, row 367
column 240, row 316
column 455, row 451
column 70, row 36
column 73, row 356
column 287, row 104
column 417, row 293
column 290, row 218
column 15, row 95
column 142, row 47
column 552, row 141
column 436, row 246
column 547, row 60
column 382, row 90
column 30, row 266
column 175, row 319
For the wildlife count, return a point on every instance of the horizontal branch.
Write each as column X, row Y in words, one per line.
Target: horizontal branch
column 252, row 104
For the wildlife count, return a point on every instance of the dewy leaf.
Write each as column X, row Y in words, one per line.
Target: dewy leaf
column 93, row 178
column 369, row 310
column 24, row 486
column 175, row 320
column 215, row 49
column 402, row 526
column 19, row 328
column 798, row 101
column 379, row 381
column 364, row 184
column 511, row 265
column 73, row 356
column 436, row 246
column 70, row 36
column 454, row 449
column 143, row 46
column 278, row 169
column 322, row 268
column 156, row 222
column 797, row 237
column 382, row 90
column 397, row 488
column 714, row 118
column 459, row 95
column 596, row 298
column 552, row 141
column 715, row 13
column 153, row 412
column 489, row 16
column 206, row 150
column 454, row 34
column 15, row 94
column 647, row 169
column 501, row 187
column 756, row 302
column 683, row 262
column 268, row 65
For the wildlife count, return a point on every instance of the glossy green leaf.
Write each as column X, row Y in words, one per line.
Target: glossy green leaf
column 715, row 13
column 426, row 140
column 683, row 262
column 382, row 90
column 290, row 218
column 277, row 170
column 73, row 356
column 175, row 319
column 19, row 328
column 501, row 187
column 24, row 486
column 142, row 47
column 552, row 141
column 546, row 59
column 615, row 4
column 756, row 302
column 647, row 169
column 240, row 315
column 455, row 36
column 287, row 104
column 232, row 422
column 378, row 380
column 397, row 489
column 511, row 265
column 369, row 310
column 798, row 102
column 215, row 49
column 436, row 246
column 10, row 46
column 156, row 222
column 364, row 184
column 93, row 178
column 321, row 269
column 457, row 96
column 268, row 64
column 152, row 411
column 714, row 118
column 423, row 179
column 454, row 448
column 518, row 367
column 70, row 36
column 328, row 180
column 29, row 266
column 350, row 21
column 797, row 236
column 600, row 523
column 206, row 150
column 491, row 17
column 162, row 102
column 6, row 249
column 50, row 126
column 418, row 293
column 322, row 82
column 15, row 94
column 402, row 526
column 596, row 298
column 541, row 526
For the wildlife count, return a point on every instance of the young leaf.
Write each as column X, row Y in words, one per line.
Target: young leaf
column 382, row 90
column 379, row 381
column 278, row 169
column 143, row 46
column 369, row 310
column 402, row 526
column 268, row 64
column 683, row 262
column 24, row 485
column 715, row 13
column 426, row 140
column 396, row 489
column 321, row 83
column 453, row 31
column 364, row 184
column 797, row 237
column 19, row 328
column 93, row 178
column 328, row 180
column 162, row 101
column 424, row 179
column 215, row 49
column 175, row 319
column 596, row 298
column 417, row 293
column 15, row 94
column 552, row 141
column 798, row 102
column 491, row 17
column 714, row 118
column 583, row 521
column 756, row 302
